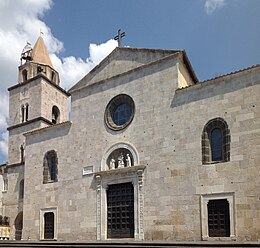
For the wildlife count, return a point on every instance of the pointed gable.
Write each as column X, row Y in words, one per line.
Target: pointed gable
column 122, row 60
column 40, row 54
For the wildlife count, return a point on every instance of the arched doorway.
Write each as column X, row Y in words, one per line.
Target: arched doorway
column 18, row 223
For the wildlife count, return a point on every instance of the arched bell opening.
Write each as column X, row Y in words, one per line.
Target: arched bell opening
column 55, row 117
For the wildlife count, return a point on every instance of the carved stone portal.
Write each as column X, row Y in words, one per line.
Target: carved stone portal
column 134, row 175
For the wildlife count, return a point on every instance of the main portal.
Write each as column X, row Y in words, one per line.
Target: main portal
column 120, row 211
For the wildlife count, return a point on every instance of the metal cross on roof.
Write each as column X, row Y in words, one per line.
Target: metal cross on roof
column 119, row 37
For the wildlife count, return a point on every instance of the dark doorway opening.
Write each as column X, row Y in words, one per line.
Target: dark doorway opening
column 49, row 225
column 218, row 218
column 18, row 223
column 120, row 211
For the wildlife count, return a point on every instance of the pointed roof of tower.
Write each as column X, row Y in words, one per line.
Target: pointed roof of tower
column 40, row 54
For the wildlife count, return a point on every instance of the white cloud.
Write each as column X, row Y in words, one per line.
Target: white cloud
column 3, row 126
column 72, row 69
column 211, row 5
column 3, row 147
column 20, row 22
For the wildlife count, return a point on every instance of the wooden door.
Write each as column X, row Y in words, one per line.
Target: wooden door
column 120, row 211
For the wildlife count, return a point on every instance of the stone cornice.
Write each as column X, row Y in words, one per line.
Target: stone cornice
column 125, row 170
column 139, row 68
column 14, row 165
column 29, row 122
column 53, row 126
column 221, row 78
column 40, row 75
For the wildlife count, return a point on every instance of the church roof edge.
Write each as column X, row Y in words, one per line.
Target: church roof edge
column 169, row 52
column 222, row 77
column 231, row 73
column 73, row 89
column 189, row 67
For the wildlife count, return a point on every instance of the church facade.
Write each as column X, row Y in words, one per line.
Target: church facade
column 149, row 153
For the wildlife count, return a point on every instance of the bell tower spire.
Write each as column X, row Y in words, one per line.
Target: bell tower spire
column 40, row 54
column 35, row 61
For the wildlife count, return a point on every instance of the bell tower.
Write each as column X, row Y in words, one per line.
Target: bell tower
column 36, row 101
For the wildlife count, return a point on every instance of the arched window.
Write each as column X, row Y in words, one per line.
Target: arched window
column 22, row 112
column 39, row 69
column 52, row 76
column 215, row 142
column 50, row 167
column 21, row 189
column 24, row 73
column 26, row 112
column 55, row 115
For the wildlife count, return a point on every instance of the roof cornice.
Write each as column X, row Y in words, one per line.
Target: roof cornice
column 175, row 55
column 188, row 65
column 14, row 165
column 117, row 49
column 232, row 73
column 40, row 75
column 29, row 122
column 221, row 78
column 54, row 126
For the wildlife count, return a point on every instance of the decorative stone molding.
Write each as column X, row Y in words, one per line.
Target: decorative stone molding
column 140, row 178
column 132, row 151
column 98, row 182
column 132, row 174
column 204, row 200
column 42, row 212
column 113, row 105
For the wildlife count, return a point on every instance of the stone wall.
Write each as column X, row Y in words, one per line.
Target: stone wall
column 166, row 133
column 11, row 199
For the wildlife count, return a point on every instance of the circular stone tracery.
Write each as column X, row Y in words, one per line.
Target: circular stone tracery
column 119, row 112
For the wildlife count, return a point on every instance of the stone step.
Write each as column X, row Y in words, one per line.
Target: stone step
column 34, row 244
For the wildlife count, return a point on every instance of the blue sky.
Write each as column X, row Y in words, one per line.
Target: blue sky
column 219, row 36
column 219, row 42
